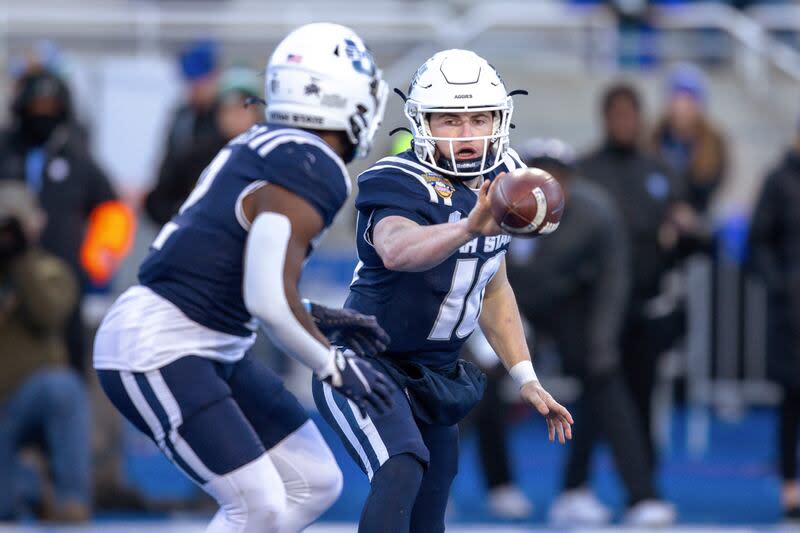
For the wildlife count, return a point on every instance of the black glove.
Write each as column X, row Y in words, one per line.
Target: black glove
column 351, row 329
column 358, row 380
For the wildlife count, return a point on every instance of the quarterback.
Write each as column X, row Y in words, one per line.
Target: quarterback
column 432, row 267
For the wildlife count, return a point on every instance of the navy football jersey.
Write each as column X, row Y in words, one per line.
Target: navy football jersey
column 429, row 315
column 196, row 261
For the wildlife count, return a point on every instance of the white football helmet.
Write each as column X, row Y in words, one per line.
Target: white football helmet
column 322, row 76
column 458, row 81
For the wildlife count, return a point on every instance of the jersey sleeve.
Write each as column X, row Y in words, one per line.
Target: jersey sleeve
column 392, row 192
column 310, row 172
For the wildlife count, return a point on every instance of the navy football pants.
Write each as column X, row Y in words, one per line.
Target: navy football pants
column 209, row 418
column 373, row 439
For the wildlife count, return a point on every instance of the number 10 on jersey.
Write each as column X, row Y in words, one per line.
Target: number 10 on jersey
column 454, row 303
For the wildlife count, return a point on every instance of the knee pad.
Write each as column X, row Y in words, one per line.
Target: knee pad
column 311, row 477
column 252, row 498
column 326, row 482
column 325, row 485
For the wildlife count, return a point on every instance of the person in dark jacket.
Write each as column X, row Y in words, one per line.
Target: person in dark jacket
column 199, row 64
column 232, row 116
column 655, row 219
column 573, row 286
column 775, row 255
column 45, row 149
column 193, row 122
column 42, row 401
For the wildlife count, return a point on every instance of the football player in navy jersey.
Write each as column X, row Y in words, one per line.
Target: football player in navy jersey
column 431, row 268
column 171, row 353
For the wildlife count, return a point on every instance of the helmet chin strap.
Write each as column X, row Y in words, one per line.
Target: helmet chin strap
column 349, row 149
column 464, row 165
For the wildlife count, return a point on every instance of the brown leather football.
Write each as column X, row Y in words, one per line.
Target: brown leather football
column 527, row 202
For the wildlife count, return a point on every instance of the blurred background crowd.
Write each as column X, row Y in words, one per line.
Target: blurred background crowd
column 665, row 310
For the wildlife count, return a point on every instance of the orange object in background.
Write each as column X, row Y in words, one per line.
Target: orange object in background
column 109, row 238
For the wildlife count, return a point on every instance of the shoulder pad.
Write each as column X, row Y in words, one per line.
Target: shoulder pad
column 401, row 178
column 304, row 164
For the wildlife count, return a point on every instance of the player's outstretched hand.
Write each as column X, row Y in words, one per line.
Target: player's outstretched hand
column 559, row 421
column 480, row 220
column 358, row 380
column 348, row 328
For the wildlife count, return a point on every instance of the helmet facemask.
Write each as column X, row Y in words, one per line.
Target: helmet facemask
column 361, row 131
column 494, row 145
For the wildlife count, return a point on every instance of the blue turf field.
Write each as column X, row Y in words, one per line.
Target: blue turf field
column 734, row 483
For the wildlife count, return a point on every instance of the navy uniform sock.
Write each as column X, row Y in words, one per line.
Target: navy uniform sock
column 391, row 496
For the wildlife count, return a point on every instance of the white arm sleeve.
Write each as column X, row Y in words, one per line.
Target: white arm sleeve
column 265, row 299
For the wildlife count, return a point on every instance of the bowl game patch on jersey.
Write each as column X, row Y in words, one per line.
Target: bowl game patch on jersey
column 440, row 184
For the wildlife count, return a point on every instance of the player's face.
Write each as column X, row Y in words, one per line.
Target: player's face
column 457, row 125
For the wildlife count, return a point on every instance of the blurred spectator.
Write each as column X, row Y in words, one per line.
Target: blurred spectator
column 199, row 65
column 648, row 199
column 237, row 85
column 775, row 254
column 505, row 498
column 86, row 226
column 232, row 116
column 573, row 286
column 195, row 120
column 42, row 400
column 43, row 56
column 687, row 141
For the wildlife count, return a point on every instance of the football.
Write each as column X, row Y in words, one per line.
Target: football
column 527, row 202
